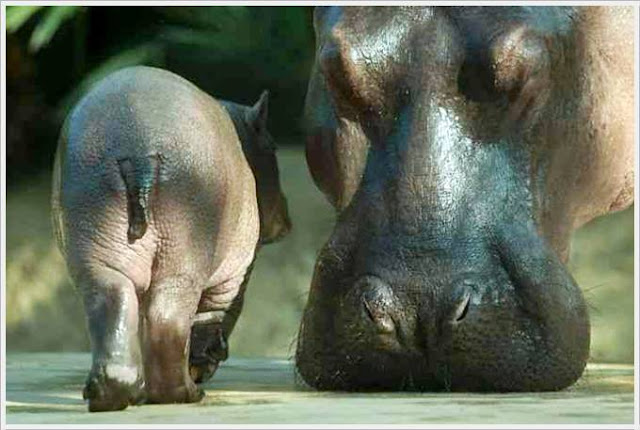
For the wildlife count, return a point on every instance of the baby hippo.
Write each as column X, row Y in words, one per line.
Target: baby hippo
column 161, row 197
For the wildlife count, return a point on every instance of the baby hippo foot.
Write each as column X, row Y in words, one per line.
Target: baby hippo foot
column 113, row 388
column 208, row 349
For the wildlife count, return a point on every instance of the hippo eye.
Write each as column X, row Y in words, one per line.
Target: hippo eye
column 368, row 311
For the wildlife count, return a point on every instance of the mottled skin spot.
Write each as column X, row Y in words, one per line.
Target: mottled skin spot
column 161, row 197
column 461, row 147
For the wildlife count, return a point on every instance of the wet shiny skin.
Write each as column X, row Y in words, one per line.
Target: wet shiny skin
column 461, row 148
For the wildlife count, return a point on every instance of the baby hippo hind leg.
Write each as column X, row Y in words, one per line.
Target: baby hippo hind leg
column 209, row 349
column 210, row 332
column 169, row 308
column 115, row 380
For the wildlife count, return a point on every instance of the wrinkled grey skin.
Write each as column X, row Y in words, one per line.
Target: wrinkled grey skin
column 155, row 210
column 461, row 148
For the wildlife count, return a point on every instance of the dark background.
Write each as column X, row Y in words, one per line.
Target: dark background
column 55, row 53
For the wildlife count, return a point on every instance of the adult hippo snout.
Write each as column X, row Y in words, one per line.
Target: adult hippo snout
column 493, row 312
column 461, row 147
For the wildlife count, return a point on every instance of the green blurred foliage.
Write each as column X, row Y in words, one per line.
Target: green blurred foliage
column 18, row 15
column 231, row 52
column 50, row 22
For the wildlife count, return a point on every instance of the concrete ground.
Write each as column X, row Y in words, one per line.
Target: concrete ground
column 45, row 388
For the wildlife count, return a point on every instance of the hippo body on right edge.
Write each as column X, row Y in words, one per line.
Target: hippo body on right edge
column 461, row 147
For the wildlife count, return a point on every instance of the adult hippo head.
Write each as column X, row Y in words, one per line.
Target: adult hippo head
column 461, row 148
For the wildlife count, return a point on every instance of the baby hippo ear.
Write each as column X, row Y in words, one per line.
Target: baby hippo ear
column 258, row 113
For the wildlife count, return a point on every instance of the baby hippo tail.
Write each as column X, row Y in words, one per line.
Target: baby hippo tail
column 140, row 175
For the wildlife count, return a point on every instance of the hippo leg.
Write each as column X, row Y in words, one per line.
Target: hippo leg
column 115, row 380
column 208, row 348
column 209, row 344
column 170, row 304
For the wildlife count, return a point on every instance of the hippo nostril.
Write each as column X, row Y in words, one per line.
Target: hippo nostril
column 368, row 310
column 462, row 309
column 384, row 323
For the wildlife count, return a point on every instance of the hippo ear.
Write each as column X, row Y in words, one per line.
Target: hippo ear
column 521, row 65
column 258, row 113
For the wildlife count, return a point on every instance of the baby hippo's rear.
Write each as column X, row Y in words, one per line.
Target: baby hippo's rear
column 161, row 196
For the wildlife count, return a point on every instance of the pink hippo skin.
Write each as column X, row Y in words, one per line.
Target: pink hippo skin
column 161, row 196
